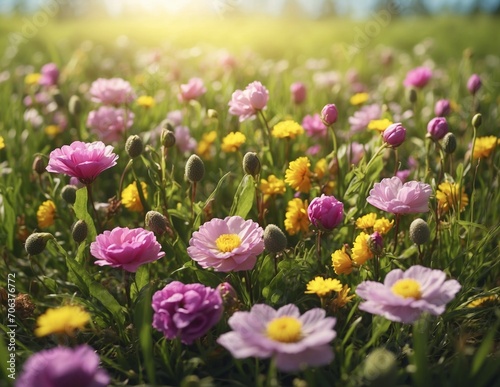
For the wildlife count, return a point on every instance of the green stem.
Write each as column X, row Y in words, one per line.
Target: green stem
column 91, row 199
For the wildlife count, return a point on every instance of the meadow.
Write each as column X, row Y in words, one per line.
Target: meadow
column 251, row 202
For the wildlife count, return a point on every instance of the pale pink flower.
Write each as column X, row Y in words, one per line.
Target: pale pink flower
column 110, row 123
column 50, row 75
column 114, row 91
column 314, row 127
column 360, row 120
column 299, row 92
column 246, row 103
column 183, row 139
column 191, row 90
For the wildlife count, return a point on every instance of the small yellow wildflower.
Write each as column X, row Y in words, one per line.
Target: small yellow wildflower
column 484, row 146
column 298, row 175
column 321, row 168
column 341, row 262
column 32, row 79
column 322, row 286
column 379, row 125
column 449, row 195
column 366, row 221
column 383, row 226
column 342, row 299
column 296, row 218
column 361, row 250
column 233, row 141
column 131, row 199
column 146, row 101
column 63, row 320
column 359, row 99
column 287, row 129
column 483, row 302
column 2, row 142
column 46, row 214
column 272, row 186
column 205, row 146
column 52, row 130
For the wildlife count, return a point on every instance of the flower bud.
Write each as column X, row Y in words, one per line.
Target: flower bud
column 75, row 105
column 212, row 113
column 437, row 127
column 167, row 125
column 39, row 165
column 157, row 222
column 167, row 138
column 191, row 381
column 449, row 143
column 24, row 305
column 394, row 135
column 477, row 120
column 379, row 368
column 79, row 231
column 36, row 242
column 474, row 84
column 274, row 239
column 411, row 95
column 299, row 92
column 251, row 164
column 376, row 243
column 229, row 295
column 68, row 193
column 419, row 231
column 134, row 146
column 329, row 114
column 195, row 169
column 58, row 98
column 442, row 108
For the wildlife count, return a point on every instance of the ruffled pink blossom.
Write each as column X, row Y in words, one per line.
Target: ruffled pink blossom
column 360, row 120
column 314, row 127
column 110, row 123
column 246, row 103
column 113, row 91
column 418, row 77
column 191, row 90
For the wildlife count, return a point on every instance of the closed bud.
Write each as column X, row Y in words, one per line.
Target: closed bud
column 58, row 98
column 212, row 113
column 380, row 368
column 419, row 231
column 376, row 243
column 68, row 193
column 477, row 120
column 251, row 164
column 274, row 239
column 474, row 84
column 157, row 222
column 39, row 165
column 24, row 306
column 329, row 114
column 195, row 169
column 36, row 242
column 394, row 135
column 449, row 143
column 134, row 146
column 75, row 105
column 167, row 125
column 79, row 231
column 411, row 95
column 167, row 138
column 191, row 381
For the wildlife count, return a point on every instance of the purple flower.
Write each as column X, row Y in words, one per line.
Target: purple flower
column 314, row 126
column 245, row 104
column 360, row 120
column 50, row 75
column 110, row 123
column 474, row 84
column 191, row 90
column 418, row 77
column 437, row 127
column 325, row 212
column 296, row 341
column 404, row 296
column 186, row 311
column 299, row 92
column 391, row 195
column 183, row 139
column 62, row 367
column 329, row 114
column 114, row 91
column 394, row 135
column 85, row 161
column 126, row 248
column 442, row 108
column 230, row 244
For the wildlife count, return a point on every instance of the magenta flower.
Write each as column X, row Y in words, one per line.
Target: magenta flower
column 186, row 311
column 245, row 104
column 50, row 75
column 114, row 91
column 329, row 114
column 230, row 244
column 62, row 367
column 191, row 90
column 360, row 120
column 394, row 135
column 442, row 108
column 474, row 84
column 404, row 296
column 325, row 212
column 314, row 126
column 299, row 92
column 391, row 195
column 85, row 161
column 418, row 77
column 126, row 248
column 296, row 341
column 437, row 127
column 110, row 123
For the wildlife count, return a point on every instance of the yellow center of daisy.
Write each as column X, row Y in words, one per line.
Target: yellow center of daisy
column 228, row 242
column 284, row 329
column 407, row 288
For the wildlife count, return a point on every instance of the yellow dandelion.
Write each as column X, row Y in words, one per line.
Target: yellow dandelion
column 341, row 262
column 146, row 101
column 342, row 299
column 131, row 199
column 46, row 214
column 32, row 79
column 484, row 146
column 52, row 130
column 366, row 221
column 361, row 250
column 483, row 302
column 322, row 286
column 298, row 175
column 379, row 125
column 287, row 129
column 205, row 146
column 296, row 218
column 359, row 99
column 272, row 186
column 63, row 320
column 383, row 225
column 320, row 168
column 233, row 141
column 449, row 195
column 2, row 142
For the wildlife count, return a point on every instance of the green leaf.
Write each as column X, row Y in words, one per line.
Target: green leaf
column 212, row 195
column 81, row 212
column 484, row 350
column 245, row 195
column 143, row 319
column 140, row 281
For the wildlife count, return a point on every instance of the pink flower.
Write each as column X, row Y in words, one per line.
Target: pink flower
column 230, row 244
column 418, row 77
column 474, row 84
column 114, row 91
column 299, row 92
column 50, row 75
column 394, row 135
column 355, row 152
column 32, row 117
column 175, row 117
column 110, row 123
column 183, row 139
column 442, row 108
column 329, row 114
column 437, row 127
column 363, row 116
column 245, row 104
column 325, row 212
column 85, row 161
column 404, row 296
column 391, row 195
column 314, row 127
column 126, row 248
column 191, row 90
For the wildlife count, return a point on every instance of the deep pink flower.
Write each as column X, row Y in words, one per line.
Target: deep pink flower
column 186, row 311
column 50, row 75
column 418, row 77
column 299, row 92
column 110, row 123
column 245, row 104
column 404, row 296
column 442, row 108
column 391, row 195
column 394, row 135
column 437, row 127
column 114, row 91
column 325, row 212
column 360, row 120
column 191, row 90
column 126, row 248
column 85, row 161
column 329, row 114
column 230, row 244
column 474, row 84
column 314, row 126
column 296, row 341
